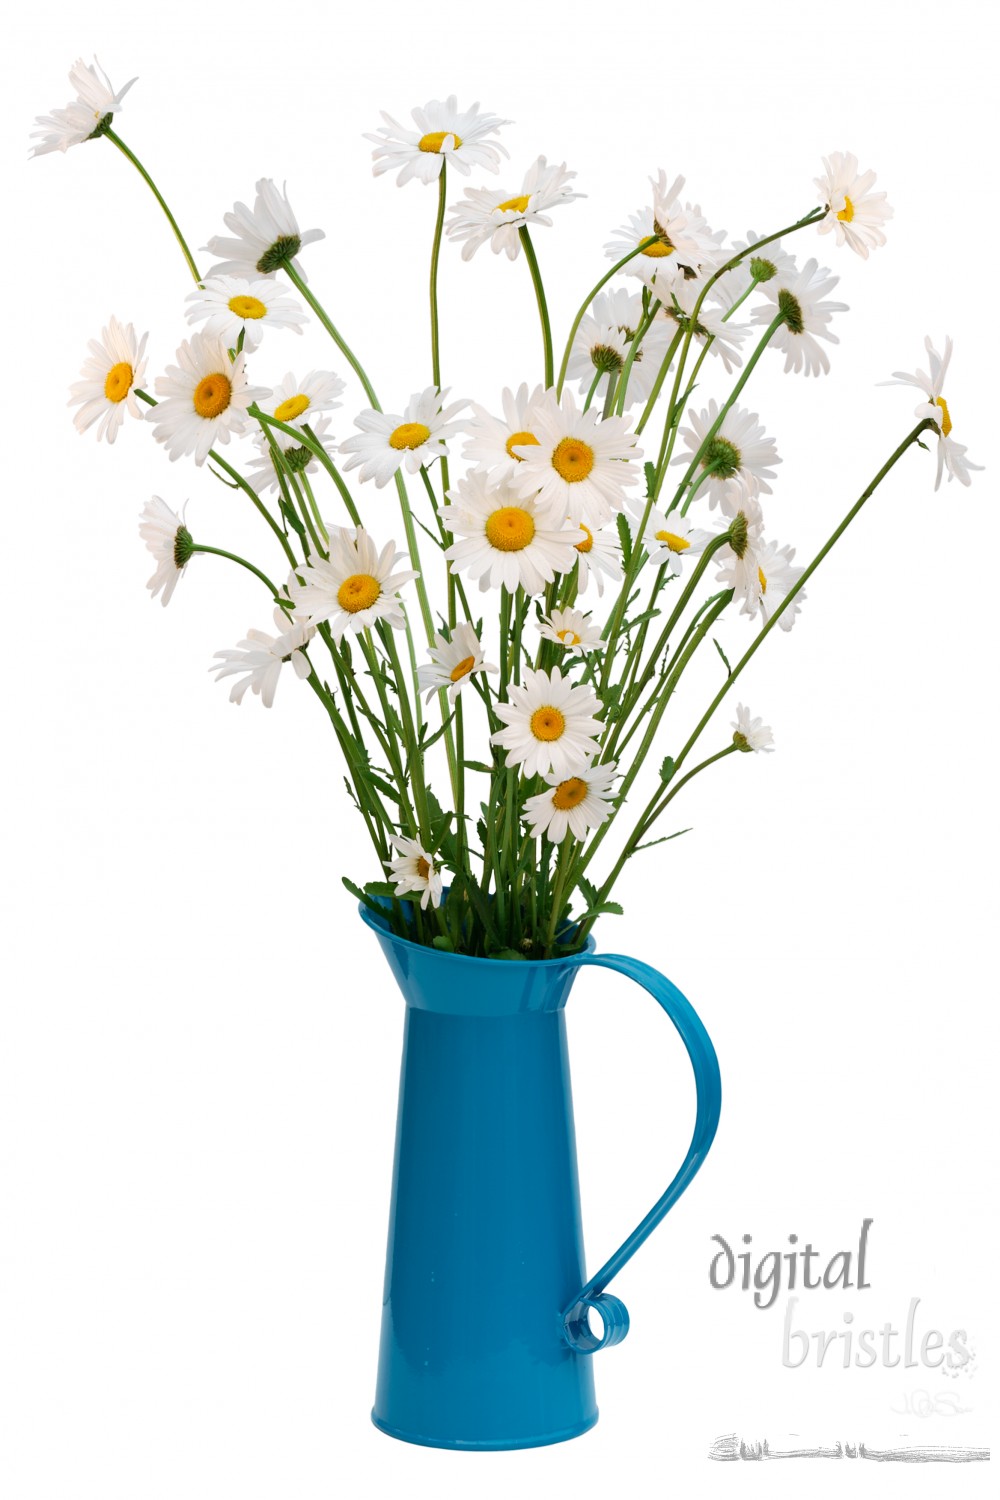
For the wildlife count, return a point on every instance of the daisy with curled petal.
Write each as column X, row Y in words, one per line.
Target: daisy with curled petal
column 299, row 400
column 453, row 662
column 599, row 556
column 494, row 215
column 854, row 212
column 492, row 440
column 415, row 870
column 204, row 398
column 751, row 734
column 669, row 537
column 806, row 316
column 354, row 587
column 416, row 438
column 261, row 473
column 580, row 465
column 684, row 240
column 602, row 344
column 257, row 661
column 709, row 328
column 572, row 629
column 951, row 454
column 549, row 725
column 265, row 236
column 170, row 542
column 231, row 305
column 739, row 451
column 574, row 805
column 740, row 565
column 777, row 578
column 443, row 133
column 86, row 116
column 502, row 539
column 110, row 376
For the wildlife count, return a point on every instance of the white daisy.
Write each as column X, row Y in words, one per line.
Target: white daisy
column 230, row 305
column 443, row 133
column 571, row 628
column 416, row 438
column 751, row 734
column 257, row 661
column 777, row 578
column 710, row 327
column 800, row 299
column 772, row 260
column 550, row 725
column 740, row 565
column 298, row 401
column 266, row 235
column 599, row 556
column 453, row 662
column 415, row 870
column 503, row 539
column 492, row 440
column 951, row 454
column 580, row 465
column 853, row 211
column 110, row 376
column 573, row 805
column 603, row 341
column 261, row 473
column 354, row 587
column 684, row 241
column 669, row 537
column 170, row 542
column 204, row 399
column 86, row 116
column 739, row 451
column 494, row 215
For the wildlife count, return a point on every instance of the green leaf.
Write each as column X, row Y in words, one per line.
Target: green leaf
column 363, row 896
column 510, row 954
column 445, row 944
column 650, row 472
column 625, row 537
column 589, row 891
column 379, row 888
column 291, row 518
column 666, row 770
column 725, row 658
column 232, row 485
column 478, row 765
column 665, row 840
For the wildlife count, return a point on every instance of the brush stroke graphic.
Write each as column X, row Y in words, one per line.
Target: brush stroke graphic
column 731, row 1448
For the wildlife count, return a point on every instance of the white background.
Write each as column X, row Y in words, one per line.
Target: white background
column 200, row 1047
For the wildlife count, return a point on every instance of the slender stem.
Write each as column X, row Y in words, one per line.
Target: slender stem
column 543, row 311
column 642, row 245
column 218, row 552
column 654, row 394
column 633, row 352
column 116, row 140
column 303, row 289
column 435, row 253
column 304, row 481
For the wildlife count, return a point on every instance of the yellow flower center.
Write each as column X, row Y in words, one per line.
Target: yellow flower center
column 409, row 435
column 517, row 204
column 573, row 460
column 673, row 541
column 762, row 580
column 292, row 408
column 248, row 307
column 588, row 540
column 436, row 138
column 423, row 868
column 510, row 529
column 569, row 637
column 520, row 440
column 847, row 212
column 658, row 250
column 118, row 382
column 569, row 793
column 212, row 395
column 547, row 723
column 360, row 591
column 939, row 401
column 463, row 669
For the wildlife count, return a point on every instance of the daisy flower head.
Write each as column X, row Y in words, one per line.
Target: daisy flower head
column 684, row 242
column 759, row 265
column 740, row 566
column 951, row 454
column 170, row 542
column 110, row 376
column 602, row 345
column 264, row 236
column 204, row 398
column 573, row 805
column 256, row 662
column 599, row 556
column 502, row 538
column 709, row 327
column 777, row 578
column 354, row 587
column 853, row 211
column 415, row 870
column 579, row 465
column 87, row 116
column 231, row 305
column 799, row 299
column 571, row 628
column 443, row 133
column 494, row 215
column 453, row 662
column 751, row 734
column 262, row 473
column 550, row 725
column 493, row 440
column 415, row 438
column 738, row 452
column 669, row 536
column 298, row 401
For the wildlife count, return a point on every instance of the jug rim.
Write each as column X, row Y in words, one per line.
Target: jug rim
column 379, row 925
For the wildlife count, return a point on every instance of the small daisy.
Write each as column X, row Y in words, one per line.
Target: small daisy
column 503, row 539
column 599, row 556
column 708, row 328
column 492, row 440
column 261, row 473
column 853, row 211
column 580, row 465
column 443, row 133
column 416, row 438
column 669, row 537
column 110, row 376
column 86, row 116
column 204, row 399
column 602, row 346
column 266, row 235
column 739, row 451
column 751, row 734
column 354, row 587
column 777, row 578
column 298, row 401
column 233, row 306
column 170, row 542
column 572, row 629
column 800, row 299
column 951, row 454
column 489, row 214
column 415, row 870
column 573, row 806
column 684, row 241
column 740, row 565
column 259, row 659
column 453, row 662
column 550, row 725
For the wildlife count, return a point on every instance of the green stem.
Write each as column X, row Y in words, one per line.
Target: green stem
column 630, row 358
column 643, row 245
column 116, row 140
column 543, row 311
column 303, row 289
column 654, row 394
column 218, row 552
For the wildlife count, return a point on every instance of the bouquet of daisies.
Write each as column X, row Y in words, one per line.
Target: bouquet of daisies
column 496, row 682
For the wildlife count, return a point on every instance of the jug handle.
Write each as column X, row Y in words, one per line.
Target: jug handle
column 708, row 1084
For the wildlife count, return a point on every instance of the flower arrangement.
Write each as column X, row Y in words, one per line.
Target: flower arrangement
column 609, row 511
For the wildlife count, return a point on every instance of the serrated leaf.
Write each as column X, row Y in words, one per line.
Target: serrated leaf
column 589, row 891
column 478, row 765
column 363, row 896
column 666, row 770
column 725, row 658
column 379, row 888
column 291, row 518
column 625, row 537
column 649, row 470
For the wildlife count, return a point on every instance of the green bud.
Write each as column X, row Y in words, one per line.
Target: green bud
column 605, row 359
column 297, row 458
column 741, row 742
column 761, row 269
column 738, row 534
column 790, row 310
column 183, row 547
column 284, row 248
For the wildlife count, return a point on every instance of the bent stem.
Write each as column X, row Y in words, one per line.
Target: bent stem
column 116, row 140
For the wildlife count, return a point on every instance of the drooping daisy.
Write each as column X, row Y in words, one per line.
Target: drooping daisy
column 550, row 725
column 415, row 870
column 204, row 399
column 739, row 561
column 854, row 212
column 492, row 440
column 806, row 316
column 503, row 539
column 110, row 376
column 751, row 734
column 416, row 438
column 710, row 327
column 571, row 628
column 453, row 662
column 170, row 542
column 85, row 117
column 777, row 578
column 494, row 215
column 261, row 473
column 257, row 661
column 230, row 305
column 684, row 241
column 599, row 556
column 951, row 454
column 265, row 236
column 354, row 587
column 669, row 537
column 573, row 805
column 603, row 341
column 739, row 451
column 298, row 401
column 443, row 133
column 580, row 465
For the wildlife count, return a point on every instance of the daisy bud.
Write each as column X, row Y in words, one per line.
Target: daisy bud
column 761, row 269
column 738, row 533
column 606, row 359
column 183, row 547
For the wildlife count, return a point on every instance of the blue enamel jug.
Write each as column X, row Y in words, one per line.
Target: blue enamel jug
column 489, row 1323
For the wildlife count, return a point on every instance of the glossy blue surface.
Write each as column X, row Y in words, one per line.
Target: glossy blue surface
column 486, row 1339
